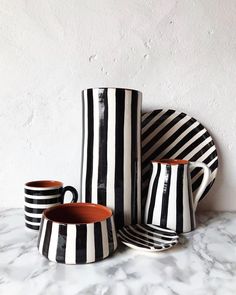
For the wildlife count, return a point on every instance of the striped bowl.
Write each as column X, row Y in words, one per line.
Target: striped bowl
column 77, row 233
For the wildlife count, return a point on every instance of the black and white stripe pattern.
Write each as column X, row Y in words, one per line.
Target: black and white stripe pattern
column 77, row 243
column 111, row 169
column 169, row 134
column 148, row 237
column 36, row 201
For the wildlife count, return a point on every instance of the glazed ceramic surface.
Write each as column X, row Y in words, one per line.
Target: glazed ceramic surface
column 169, row 134
column 111, row 169
column 77, row 233
column 148, row 237
column 40, row 195
column 170, row 202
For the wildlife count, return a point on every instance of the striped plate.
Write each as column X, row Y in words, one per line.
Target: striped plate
column 169, row 134
column 148, row 237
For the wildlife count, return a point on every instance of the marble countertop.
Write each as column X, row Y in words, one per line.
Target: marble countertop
column 204, row 263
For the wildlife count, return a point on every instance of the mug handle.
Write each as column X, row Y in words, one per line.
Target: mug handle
column 73, row 191
column 204, row 183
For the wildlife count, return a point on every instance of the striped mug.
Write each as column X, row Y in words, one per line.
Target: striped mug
column 170, row 202
column 42, row 194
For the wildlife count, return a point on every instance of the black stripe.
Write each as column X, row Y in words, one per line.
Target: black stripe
column 145, row 239
column 202, row 151
column 153, row 236
column 190, row 201
column 150, row 117
column 81, row 243
column 32, row 219
column 47, row 238
column 164, row 235
column 32, row 226
column 193, row 145
column 98, row 241
column 102, row 165
column 40, row 232
column 157, row 123
column 179, row 199
column 132, row 241
column 89, row 171
column 34, row 210
column 183, row 141
column 169, row 140
column 119, row 158
column 134, row 152
column 140, row 238
column 162, row 132
column 44, row 201
column 165, row 196
column 159, row 231
column 43, row 193
column 153, row 194
column 110, row 235
column 61, row 243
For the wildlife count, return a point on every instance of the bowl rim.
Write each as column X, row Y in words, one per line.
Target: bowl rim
column 79, row 204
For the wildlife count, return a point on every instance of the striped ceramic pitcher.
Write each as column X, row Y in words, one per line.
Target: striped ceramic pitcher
column 170, row 202
column 111, row 169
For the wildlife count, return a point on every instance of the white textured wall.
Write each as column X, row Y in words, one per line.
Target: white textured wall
column 180, row 54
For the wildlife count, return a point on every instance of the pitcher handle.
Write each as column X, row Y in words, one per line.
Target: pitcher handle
column 204, row 183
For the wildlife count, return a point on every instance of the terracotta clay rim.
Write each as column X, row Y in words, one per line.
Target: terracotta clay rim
column 80, row 205
column 44, row 184
column 171, row 161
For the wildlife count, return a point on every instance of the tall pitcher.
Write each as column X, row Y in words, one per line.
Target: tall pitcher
column 170, row 202
column 111, row 166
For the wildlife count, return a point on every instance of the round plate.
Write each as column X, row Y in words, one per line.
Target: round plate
column 169, row 134
column 148, row 237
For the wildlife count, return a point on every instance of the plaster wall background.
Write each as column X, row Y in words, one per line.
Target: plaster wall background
column 180, row 54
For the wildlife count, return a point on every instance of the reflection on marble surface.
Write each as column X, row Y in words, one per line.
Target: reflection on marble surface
column 203, row 263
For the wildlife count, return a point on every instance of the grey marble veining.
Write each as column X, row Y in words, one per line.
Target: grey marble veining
column 203, row 263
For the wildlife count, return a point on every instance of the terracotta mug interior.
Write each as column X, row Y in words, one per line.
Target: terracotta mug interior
column 44, row 183
column 171, row 161
column 78, row 213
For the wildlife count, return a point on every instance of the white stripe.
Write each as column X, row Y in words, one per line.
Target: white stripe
column 175, row 142
column 127, row 158
column 130, row 241
column 171, row 216
column 40, row 206
column 41, row 242
column 158, row 201
column 71, row 244
column 149, row 124
column 153, row 238
column 162, row 139
column 139, row 179
column 90, row 247
column 164, row 234
column 95, row 145
column 198, row 148
column 159, row 128
column 85, row 146
column 147, row 206
column 165, row 230
column 186, row 203
column 114, row 232
column 105, row 244
column 33, row 215
column 42, row 197
column 52, row 251
column 111, row 147
column 32, row 223
column 187, row 144
column 33, row 188
column 144, row 116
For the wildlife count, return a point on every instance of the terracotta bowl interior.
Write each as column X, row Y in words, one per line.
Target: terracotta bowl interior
column 171, row 161
column 78, row 213
column 44, row 183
